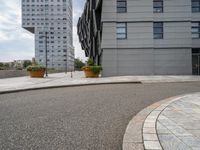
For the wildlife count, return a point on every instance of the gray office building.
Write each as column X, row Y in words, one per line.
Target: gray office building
column 51, row 22
column 142, row 37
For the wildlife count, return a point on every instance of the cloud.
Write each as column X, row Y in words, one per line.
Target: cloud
column 17, row 43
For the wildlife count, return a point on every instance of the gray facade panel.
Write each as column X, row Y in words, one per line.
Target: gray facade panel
column 173, row 61
column 147, row 62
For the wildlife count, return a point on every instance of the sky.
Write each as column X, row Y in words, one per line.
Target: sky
column 16, row 43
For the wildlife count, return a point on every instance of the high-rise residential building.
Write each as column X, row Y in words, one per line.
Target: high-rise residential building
column 142, row 37
column 51, row 22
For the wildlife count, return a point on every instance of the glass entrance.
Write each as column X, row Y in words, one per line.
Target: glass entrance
column 196, row 61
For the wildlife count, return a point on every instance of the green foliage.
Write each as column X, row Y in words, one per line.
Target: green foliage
column 78, row 64
column 7, row 65
column 26, row 63
column 96, row 69
column 2, row 66
column 35, row 68
column 90, row 62
column 19, row 68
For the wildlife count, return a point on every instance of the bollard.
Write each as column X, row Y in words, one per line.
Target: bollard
column 71, row 74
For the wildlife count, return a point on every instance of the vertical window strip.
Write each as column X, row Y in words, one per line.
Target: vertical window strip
column 158, row 30
column 195, row 6
column 158, row 6
column 121, row 6
column 195, row 30
column 121, row 30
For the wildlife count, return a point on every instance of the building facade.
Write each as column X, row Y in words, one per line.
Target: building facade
column 142, row 37
column 51, row 22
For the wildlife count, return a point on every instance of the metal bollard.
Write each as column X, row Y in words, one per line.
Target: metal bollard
column 71, row 74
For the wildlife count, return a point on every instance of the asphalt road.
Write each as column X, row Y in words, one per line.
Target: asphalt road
column 77, row 118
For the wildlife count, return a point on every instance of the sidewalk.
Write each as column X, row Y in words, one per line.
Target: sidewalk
column 62, row 79
column 170, row 124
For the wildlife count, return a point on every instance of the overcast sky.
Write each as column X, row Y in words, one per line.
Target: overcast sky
column 17, row 43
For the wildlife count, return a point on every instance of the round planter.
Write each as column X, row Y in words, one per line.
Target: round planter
column 37, row 74
column 90, row 74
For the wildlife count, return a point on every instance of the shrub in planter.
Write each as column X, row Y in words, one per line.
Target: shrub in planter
column 91, row 70
column 36, row 71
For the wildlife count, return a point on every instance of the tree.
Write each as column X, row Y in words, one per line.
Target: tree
column 78, row 64
column 1, row 66
column 26, row 63
column 7, row 65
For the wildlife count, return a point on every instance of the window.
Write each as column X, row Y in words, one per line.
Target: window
column 195, row 30
column 121, row 6
column 121, row 30
column 195, row 6
column 158, row 6
column 158, row 30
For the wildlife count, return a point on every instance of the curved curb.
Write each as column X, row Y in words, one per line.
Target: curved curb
column 141, row 131
column 63, row 86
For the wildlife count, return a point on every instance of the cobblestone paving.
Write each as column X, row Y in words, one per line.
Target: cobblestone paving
column 178, row 126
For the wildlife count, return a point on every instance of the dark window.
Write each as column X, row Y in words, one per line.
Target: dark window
column 195, row 30
column 121, row 30
column 158, row 30
column 121, row 6
column 158, row 6
column 195, row 5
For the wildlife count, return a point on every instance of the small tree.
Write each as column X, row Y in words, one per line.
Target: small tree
column 78, row 64
column 26, row 63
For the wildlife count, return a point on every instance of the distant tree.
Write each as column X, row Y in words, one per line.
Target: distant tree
column 78, row 64
column 2, row 66
column 26, row 63
column 6, row 65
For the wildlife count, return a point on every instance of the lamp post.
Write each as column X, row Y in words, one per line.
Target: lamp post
column 46, row 53
column 46, row 64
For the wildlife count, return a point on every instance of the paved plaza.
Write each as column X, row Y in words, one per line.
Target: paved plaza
column 77, row 78
column 171, row 124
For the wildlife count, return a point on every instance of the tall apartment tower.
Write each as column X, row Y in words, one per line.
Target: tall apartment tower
column 51, row 22
column 142, row 37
